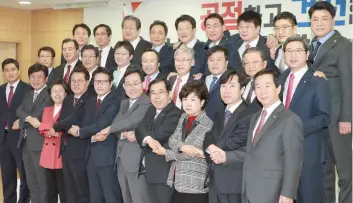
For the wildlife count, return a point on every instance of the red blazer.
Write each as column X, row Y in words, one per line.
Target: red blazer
column 49, row 157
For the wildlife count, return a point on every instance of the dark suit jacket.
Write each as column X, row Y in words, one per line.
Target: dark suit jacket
column 59, row 72
column 200, row 58
column 8, row 114
column 34, row 109
column 231, row 138
column 102, row 153
column 166, row 55
column 110, row 63
column 119, row 92
column 335, row 60
column 255, row 104
column 261, row 44
column 311, row 102
column 90, row 89
column 214, row 101
column 160, row 129
column 72, row 147
column 273, row 163
column 172, row 80
column 141, row 47
column 51, row 77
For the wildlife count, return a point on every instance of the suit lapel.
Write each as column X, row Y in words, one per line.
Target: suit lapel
column 325, row 47
column 39, row 97
column 301, row 87
column 103, row 105
column 233, row 118
column 271, row 119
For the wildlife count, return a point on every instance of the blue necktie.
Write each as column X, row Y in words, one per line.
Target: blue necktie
column 227, row 116
column 213, row 83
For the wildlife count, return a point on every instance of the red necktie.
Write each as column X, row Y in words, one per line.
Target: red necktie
column 9, row 99
column 148, row 80
column 176, row 90
column 75, row 101
column 259, row 127
column 290, row 90
column 67, row 74
column 98, row 104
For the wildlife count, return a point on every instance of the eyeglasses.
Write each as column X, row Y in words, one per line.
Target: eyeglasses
column 154, row 94
column 252, row 63
column 181, row 60
column 101, row 82
column 296, row 51
column 132, row 85
column 89, row 57
column 285, row 27
column 77, row 81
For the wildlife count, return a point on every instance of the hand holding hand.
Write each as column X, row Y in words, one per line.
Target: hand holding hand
column 16, row 125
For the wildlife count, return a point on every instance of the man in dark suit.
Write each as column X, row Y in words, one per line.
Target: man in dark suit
column 73, row 149
column 158, row 35
column 310, row 100
column 150, row 65
column 46, row 57
column 30, row 113
column 186, row 29
column 285, row 26
column 184, row 61
column 11, row 96
column 103, row 34
column 274, row 152
column 225, row 145
column 132, row 111
column 253, row 61
column 155, row 129
column 249, row 31
column 331, row 57
column 217, row 60
column 90, row 63
column 131, row 26
column 70, row 52
column 81, row 33
column 102, row 179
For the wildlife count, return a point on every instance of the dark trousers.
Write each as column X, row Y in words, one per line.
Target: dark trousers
column 215, row 196
column 76, row 180
column 339, row 154
column 189, row 198
column 35, row 175
column 10, row 160
column 55, row 182
column 103, row 184
column 160, row 193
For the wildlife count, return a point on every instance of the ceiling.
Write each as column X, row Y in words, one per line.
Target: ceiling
column 40, row 4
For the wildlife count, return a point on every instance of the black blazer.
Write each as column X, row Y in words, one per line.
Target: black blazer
column 231, row 138
column 200, row 58
column 90, row 89
column 261, row 44
column 51, row 77
column 8, row 114
column 110, row 64
column 141, row 47
column 59, row 72
column 72, row 147
column 172, row 80
column 156, row 168
column 166, row 55
column 102, row 153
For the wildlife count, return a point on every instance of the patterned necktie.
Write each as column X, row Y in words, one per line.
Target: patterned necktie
column 35, row 96
column 251, row 90
column 213, row 83
column 227, row 115
column 67, row 74
column 259, row 127
column 176, row 90
column 289, row 90
column 99, row 57
column 75, row 101
column 147, row 83
column 98, row 105
column 318, row 44
column 10, row 96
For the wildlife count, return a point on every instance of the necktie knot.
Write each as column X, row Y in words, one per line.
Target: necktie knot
column 75, row 101
column 67, row 74
column 179, row 80
column 35, row 96
column 213, row 83
column 263, row 114
column 99, row 101
column 247, row 46
column 11, row 87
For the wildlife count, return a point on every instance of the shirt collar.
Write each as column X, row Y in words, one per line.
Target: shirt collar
column 326, row 37
column 135, row 42
column 214, row 44
column 299, row 74
column 192, row 43
column 38, row 91
column 253, row 43
column 234, row 107
column 153, row 77
column 73, row 64
column 158, row 48
column 271, row 108
column 122, row 69
column 13, row 85
column 105, row 49
column 185, row 77
column 102, row 97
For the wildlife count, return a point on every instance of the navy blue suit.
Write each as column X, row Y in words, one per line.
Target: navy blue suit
column 102, row 178
column 311, row 102
column 166, row 56
column 10, row 155
column 214, row 101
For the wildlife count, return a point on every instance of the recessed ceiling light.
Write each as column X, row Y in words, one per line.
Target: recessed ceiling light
column 24, row 2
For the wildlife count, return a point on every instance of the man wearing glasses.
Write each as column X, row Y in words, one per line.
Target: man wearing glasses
column 46, row 57
column 285, row 26
column 90, row 63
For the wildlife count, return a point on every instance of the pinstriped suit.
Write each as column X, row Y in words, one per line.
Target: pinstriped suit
column 190, row 172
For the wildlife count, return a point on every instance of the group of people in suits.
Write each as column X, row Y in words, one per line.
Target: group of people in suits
column 238, row 119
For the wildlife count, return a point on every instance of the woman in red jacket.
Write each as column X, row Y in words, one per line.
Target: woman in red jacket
column 50, row 157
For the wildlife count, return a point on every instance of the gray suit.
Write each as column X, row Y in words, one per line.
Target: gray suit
column 273, row 163
column 133, row 188
column 334, row 58
column 31, row 142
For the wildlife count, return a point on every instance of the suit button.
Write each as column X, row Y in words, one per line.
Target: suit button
column 54, row 144
column 46, row 143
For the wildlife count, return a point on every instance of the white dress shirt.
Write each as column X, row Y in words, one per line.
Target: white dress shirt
column 135, row 42
column 184, row 80
column 269, row 111
column 247, row 90
column 209, row 79
column 104, row 55
column 234, row 107
column 279, row 57
column 73, row 64
column 192, row 43
column 297, row 77
column 242, row 48
column 158, row 48
column 50, row 69
column 214, row 44
column 56, row 110
column 8, row 89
